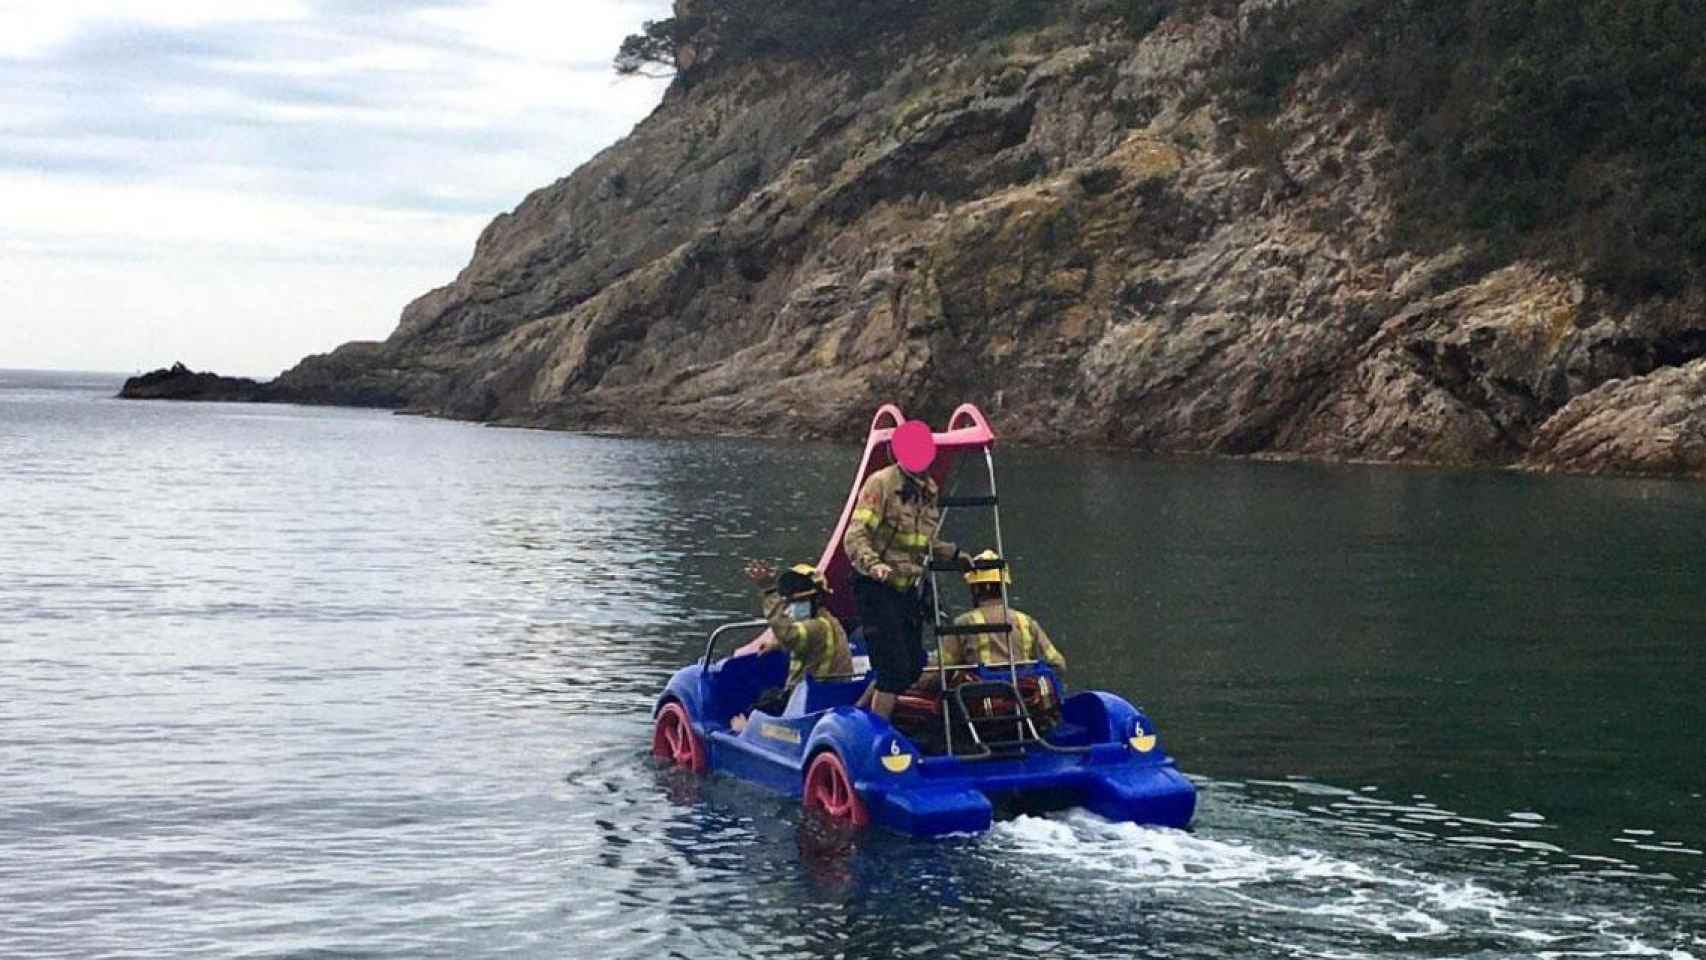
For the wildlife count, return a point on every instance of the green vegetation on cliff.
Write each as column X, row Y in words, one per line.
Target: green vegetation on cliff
column 1570, row 129
column 1573, row 131
column 738, row 30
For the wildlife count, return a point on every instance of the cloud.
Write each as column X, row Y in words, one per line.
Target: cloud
column 195, row 136
column 33, row 27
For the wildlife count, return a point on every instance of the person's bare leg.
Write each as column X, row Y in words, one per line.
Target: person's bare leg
column 865, row 698
column 882, row 704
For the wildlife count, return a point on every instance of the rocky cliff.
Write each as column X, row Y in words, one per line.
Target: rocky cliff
column 1064, row 224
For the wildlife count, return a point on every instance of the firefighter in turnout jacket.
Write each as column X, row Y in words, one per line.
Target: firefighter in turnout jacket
column 890, row 539
column 799, row 624
column 1026, row 641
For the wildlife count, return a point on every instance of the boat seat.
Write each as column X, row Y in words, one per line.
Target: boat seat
column 812, row 696
column 737, row 683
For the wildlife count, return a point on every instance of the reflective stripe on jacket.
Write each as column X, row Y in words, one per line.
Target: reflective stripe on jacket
column 817, row 646
column 994, row 647
column 893, row 523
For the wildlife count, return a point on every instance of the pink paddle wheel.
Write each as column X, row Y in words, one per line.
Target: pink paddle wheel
column 674, row 741
column 829, row 789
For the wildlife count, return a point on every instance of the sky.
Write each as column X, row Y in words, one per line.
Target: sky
column 236, row 184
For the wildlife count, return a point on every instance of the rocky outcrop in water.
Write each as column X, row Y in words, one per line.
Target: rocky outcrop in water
column 1061, row 226
column 179, row 382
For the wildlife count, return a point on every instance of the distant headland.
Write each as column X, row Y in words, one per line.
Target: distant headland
column 179, row 382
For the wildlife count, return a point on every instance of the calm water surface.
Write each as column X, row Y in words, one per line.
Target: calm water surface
column 291, row 682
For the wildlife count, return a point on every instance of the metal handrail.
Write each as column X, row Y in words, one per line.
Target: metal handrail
column 1006, row 617
column 1007, row 608
column 976, row 666
column 711, row 642
column 1023, row 714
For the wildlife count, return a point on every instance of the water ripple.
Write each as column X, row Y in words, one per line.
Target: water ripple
column 295, row 682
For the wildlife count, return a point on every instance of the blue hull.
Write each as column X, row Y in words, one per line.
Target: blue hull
column 1113, row 763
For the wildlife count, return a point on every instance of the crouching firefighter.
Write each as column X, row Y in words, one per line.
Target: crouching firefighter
column 890, row 539
column 1024, row 643
column 799, row 624
column 1027, row 641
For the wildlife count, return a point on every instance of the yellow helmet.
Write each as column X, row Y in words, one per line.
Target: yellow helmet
column 801, row 581
column 991, row 575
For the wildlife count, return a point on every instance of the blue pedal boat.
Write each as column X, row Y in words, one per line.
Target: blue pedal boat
column 949, row 762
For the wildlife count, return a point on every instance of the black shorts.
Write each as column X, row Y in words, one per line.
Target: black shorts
column 893, row 621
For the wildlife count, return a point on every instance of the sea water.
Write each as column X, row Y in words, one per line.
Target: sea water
column 301, row 682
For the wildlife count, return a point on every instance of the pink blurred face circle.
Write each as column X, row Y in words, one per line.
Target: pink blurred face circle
column 913, row 445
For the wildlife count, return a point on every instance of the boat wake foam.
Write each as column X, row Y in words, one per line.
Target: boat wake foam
column 1291, row 897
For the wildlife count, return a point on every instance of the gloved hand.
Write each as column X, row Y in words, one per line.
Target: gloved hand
column 881, row 572
column 760, row 573
column 964, row 559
